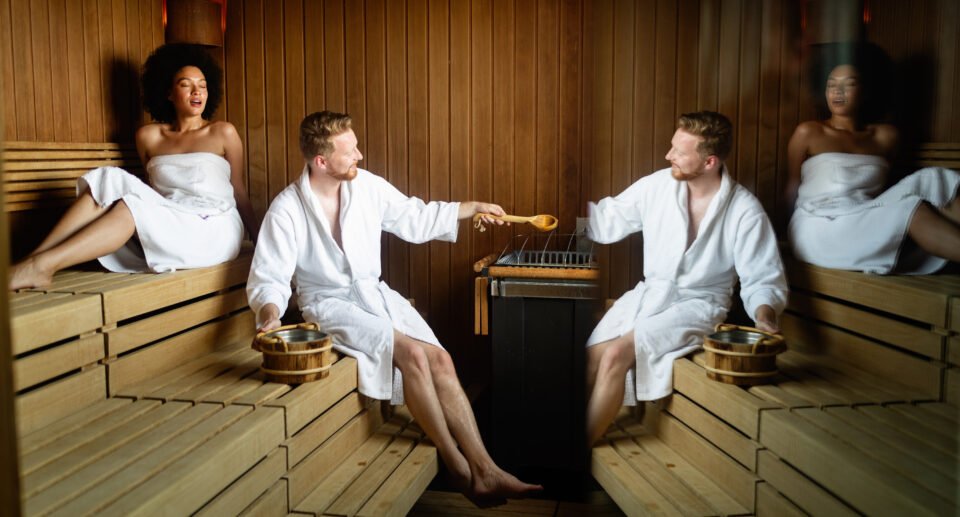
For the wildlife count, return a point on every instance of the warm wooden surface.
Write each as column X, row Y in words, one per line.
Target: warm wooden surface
column 877, row 458
column 163, row 445
column 672, row 473
column 9, row 462
column 74, row 68
column 90, row 328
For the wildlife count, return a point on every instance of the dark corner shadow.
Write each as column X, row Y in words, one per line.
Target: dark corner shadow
column 913, row 95
column 123, row 109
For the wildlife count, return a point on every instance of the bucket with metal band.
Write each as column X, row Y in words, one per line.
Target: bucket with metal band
column 744, row 356
column 294, row 354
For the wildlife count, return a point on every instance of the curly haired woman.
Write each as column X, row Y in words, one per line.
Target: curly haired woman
column 193, row 212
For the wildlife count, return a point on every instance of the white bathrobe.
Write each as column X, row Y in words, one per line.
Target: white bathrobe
column 686, row 292
column 341, row 290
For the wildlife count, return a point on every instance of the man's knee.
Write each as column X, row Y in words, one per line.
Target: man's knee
column 618, row 357
column 441, row 364
column 410, row 357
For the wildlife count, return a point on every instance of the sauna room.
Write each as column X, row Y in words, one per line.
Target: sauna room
column 181, row 342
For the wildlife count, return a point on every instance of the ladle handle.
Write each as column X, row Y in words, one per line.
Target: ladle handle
column 506, row 218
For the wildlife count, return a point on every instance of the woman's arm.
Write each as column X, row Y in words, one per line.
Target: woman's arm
column 798, row 149
column 233, row 152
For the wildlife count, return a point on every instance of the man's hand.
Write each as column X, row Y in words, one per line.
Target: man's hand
column 469, row 209
column 766, row 319
column 270, row 316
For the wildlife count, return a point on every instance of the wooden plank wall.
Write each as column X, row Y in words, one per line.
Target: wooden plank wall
column 75, row 66
column 655, row 59
column 651, row 60
column 73, row 70
column 451, row 100
column 922, row 40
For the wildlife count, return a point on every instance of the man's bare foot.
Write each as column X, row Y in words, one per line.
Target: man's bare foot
column 494, row 486
column 28, row 273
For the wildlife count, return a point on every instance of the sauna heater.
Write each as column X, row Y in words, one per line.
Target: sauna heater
column 537, row 300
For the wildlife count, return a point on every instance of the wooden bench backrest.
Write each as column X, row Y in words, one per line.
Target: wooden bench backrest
column 938, row 154
column 44, row 174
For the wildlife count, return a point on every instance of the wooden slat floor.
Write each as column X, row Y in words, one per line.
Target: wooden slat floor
column 439, row 504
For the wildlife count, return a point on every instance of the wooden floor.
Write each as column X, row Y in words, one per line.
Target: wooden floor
column 436, row 503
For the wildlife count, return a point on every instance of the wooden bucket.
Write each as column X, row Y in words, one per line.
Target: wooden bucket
column 744, row 356
column 295, row 354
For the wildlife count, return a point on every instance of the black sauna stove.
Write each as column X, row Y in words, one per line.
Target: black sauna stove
column 537, row 300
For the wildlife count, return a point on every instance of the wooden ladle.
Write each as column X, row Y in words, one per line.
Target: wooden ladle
column 542, row 222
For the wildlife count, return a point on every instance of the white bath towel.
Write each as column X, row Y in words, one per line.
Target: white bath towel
column 187, row 220
column 843, row 221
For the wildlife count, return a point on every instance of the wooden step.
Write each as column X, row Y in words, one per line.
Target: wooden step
column 918, row 374
column 921, row 298
column 673, row 472
column 383, row 476
column 876, row 459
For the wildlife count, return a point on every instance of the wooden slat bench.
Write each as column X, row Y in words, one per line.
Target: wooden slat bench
column 91, row 334
column 43, row 174
column 663, row 467
column 211, row 436
column 895, row 326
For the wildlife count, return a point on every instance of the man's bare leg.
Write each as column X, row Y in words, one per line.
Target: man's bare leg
column 935, row 233
column 104, row 235
column 488, row 480
column 82, row 212
column 607, row 366
column 488, row 483
column 421, row 397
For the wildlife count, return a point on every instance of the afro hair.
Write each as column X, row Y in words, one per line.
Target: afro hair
column 157, row 79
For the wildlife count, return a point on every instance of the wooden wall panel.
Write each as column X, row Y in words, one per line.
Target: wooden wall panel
column 451, row 100
column 73, row 76
column 744, row 58
column 922, row 40
column 74, row 67
column 653, row 60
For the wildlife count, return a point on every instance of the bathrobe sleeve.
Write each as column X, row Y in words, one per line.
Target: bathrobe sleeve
column 413, row 220
column 614, row 218
column 274, row 261
column 757, row 261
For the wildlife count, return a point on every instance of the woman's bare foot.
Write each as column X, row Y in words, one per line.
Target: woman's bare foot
column 29, row 273
column 493, row 486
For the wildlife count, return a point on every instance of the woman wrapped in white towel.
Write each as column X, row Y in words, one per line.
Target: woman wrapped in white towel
column 194, row 211
column 844, row 219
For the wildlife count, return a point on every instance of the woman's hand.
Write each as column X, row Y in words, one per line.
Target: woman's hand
column 469, row 209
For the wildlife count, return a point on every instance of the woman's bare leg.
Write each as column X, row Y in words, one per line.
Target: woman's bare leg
column 104, row 235
column 952, row 210
column 935, row 233
column 82, row 212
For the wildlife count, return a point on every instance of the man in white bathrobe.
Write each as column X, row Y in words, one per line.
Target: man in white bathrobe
column 323, row 232
column 701, row 232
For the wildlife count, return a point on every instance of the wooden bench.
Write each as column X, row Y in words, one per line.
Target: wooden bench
column 44, row 174
column 90, row 334
column 211, row 436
